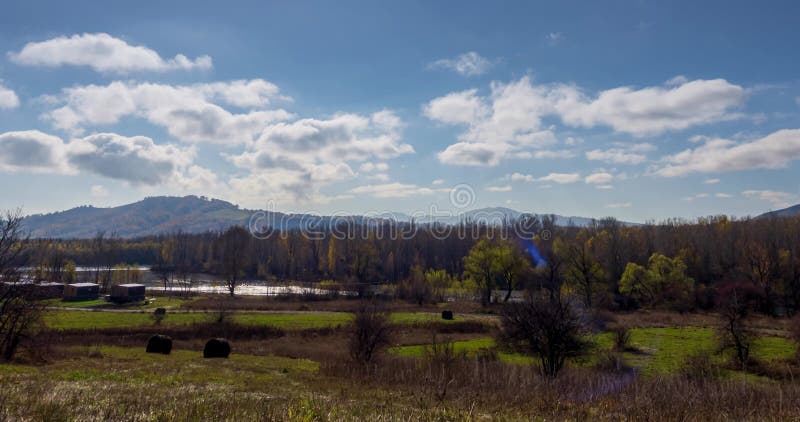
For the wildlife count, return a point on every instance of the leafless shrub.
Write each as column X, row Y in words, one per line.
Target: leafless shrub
column 545, row 327
column 370, row 332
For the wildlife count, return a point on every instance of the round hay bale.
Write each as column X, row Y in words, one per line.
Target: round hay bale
column 159, row 344
column 448, row 315
column 217, row 348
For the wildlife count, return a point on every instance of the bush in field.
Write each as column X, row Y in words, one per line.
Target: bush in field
column 546, row 327
column 158, row 315
column 441, row 353
column 622, row 337
column 370, row 332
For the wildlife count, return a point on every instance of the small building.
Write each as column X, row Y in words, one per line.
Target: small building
column 127, row 293
column 81, row 291
column 49, row 290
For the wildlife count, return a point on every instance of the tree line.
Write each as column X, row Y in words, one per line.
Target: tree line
column 674, row 264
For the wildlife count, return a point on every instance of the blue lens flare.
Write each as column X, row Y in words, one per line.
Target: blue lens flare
column 537, row 257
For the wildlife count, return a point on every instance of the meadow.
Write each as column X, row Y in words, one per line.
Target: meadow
column 294, row 365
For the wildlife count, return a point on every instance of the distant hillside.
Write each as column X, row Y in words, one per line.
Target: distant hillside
column 152, row 215
column 792, row 211
column 165, row 214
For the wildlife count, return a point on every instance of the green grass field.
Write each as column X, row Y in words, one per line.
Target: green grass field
column 411, row 318
column 181, row 366
column 77, row 319
column 660, row 350
column 117, row 383
column 468, row 347
column 167, row 302
column 64, row 319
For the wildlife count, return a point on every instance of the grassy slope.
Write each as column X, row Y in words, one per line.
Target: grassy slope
column 114, row 383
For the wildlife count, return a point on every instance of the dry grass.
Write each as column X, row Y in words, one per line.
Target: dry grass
column 496, row 389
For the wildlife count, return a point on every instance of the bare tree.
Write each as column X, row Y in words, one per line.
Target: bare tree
column 734, row 309
column 19, row 309
column 234, row 244
column 545, row 327
column 370, row 333
column 165, row 266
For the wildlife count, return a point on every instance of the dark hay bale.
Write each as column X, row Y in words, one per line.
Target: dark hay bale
column 159, row 344
column 217, row 348
column 448, row 315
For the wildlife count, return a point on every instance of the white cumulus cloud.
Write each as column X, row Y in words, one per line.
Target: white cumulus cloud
column 773, row 151
column 186, row 111
column 103, row 53
column 8, row 98
column 33, row 151
column 508, row 121
column 136, row 160
column 306, row 154
column 650, row 110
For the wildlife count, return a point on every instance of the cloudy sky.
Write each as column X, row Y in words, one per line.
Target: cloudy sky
column 637, row 109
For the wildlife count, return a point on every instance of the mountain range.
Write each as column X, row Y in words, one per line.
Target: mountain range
column 193, row 214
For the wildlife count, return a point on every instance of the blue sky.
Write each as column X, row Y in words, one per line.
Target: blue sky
column 637, row 109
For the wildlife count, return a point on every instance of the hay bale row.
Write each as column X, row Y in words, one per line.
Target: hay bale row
column 215, row 348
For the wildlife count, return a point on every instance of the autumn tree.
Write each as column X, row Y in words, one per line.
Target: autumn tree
column 480, row 265
column 440, row 281
column 416, row 287
column 663, row 282
column 512, row 266
column 760, row 266
column 581, row 270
